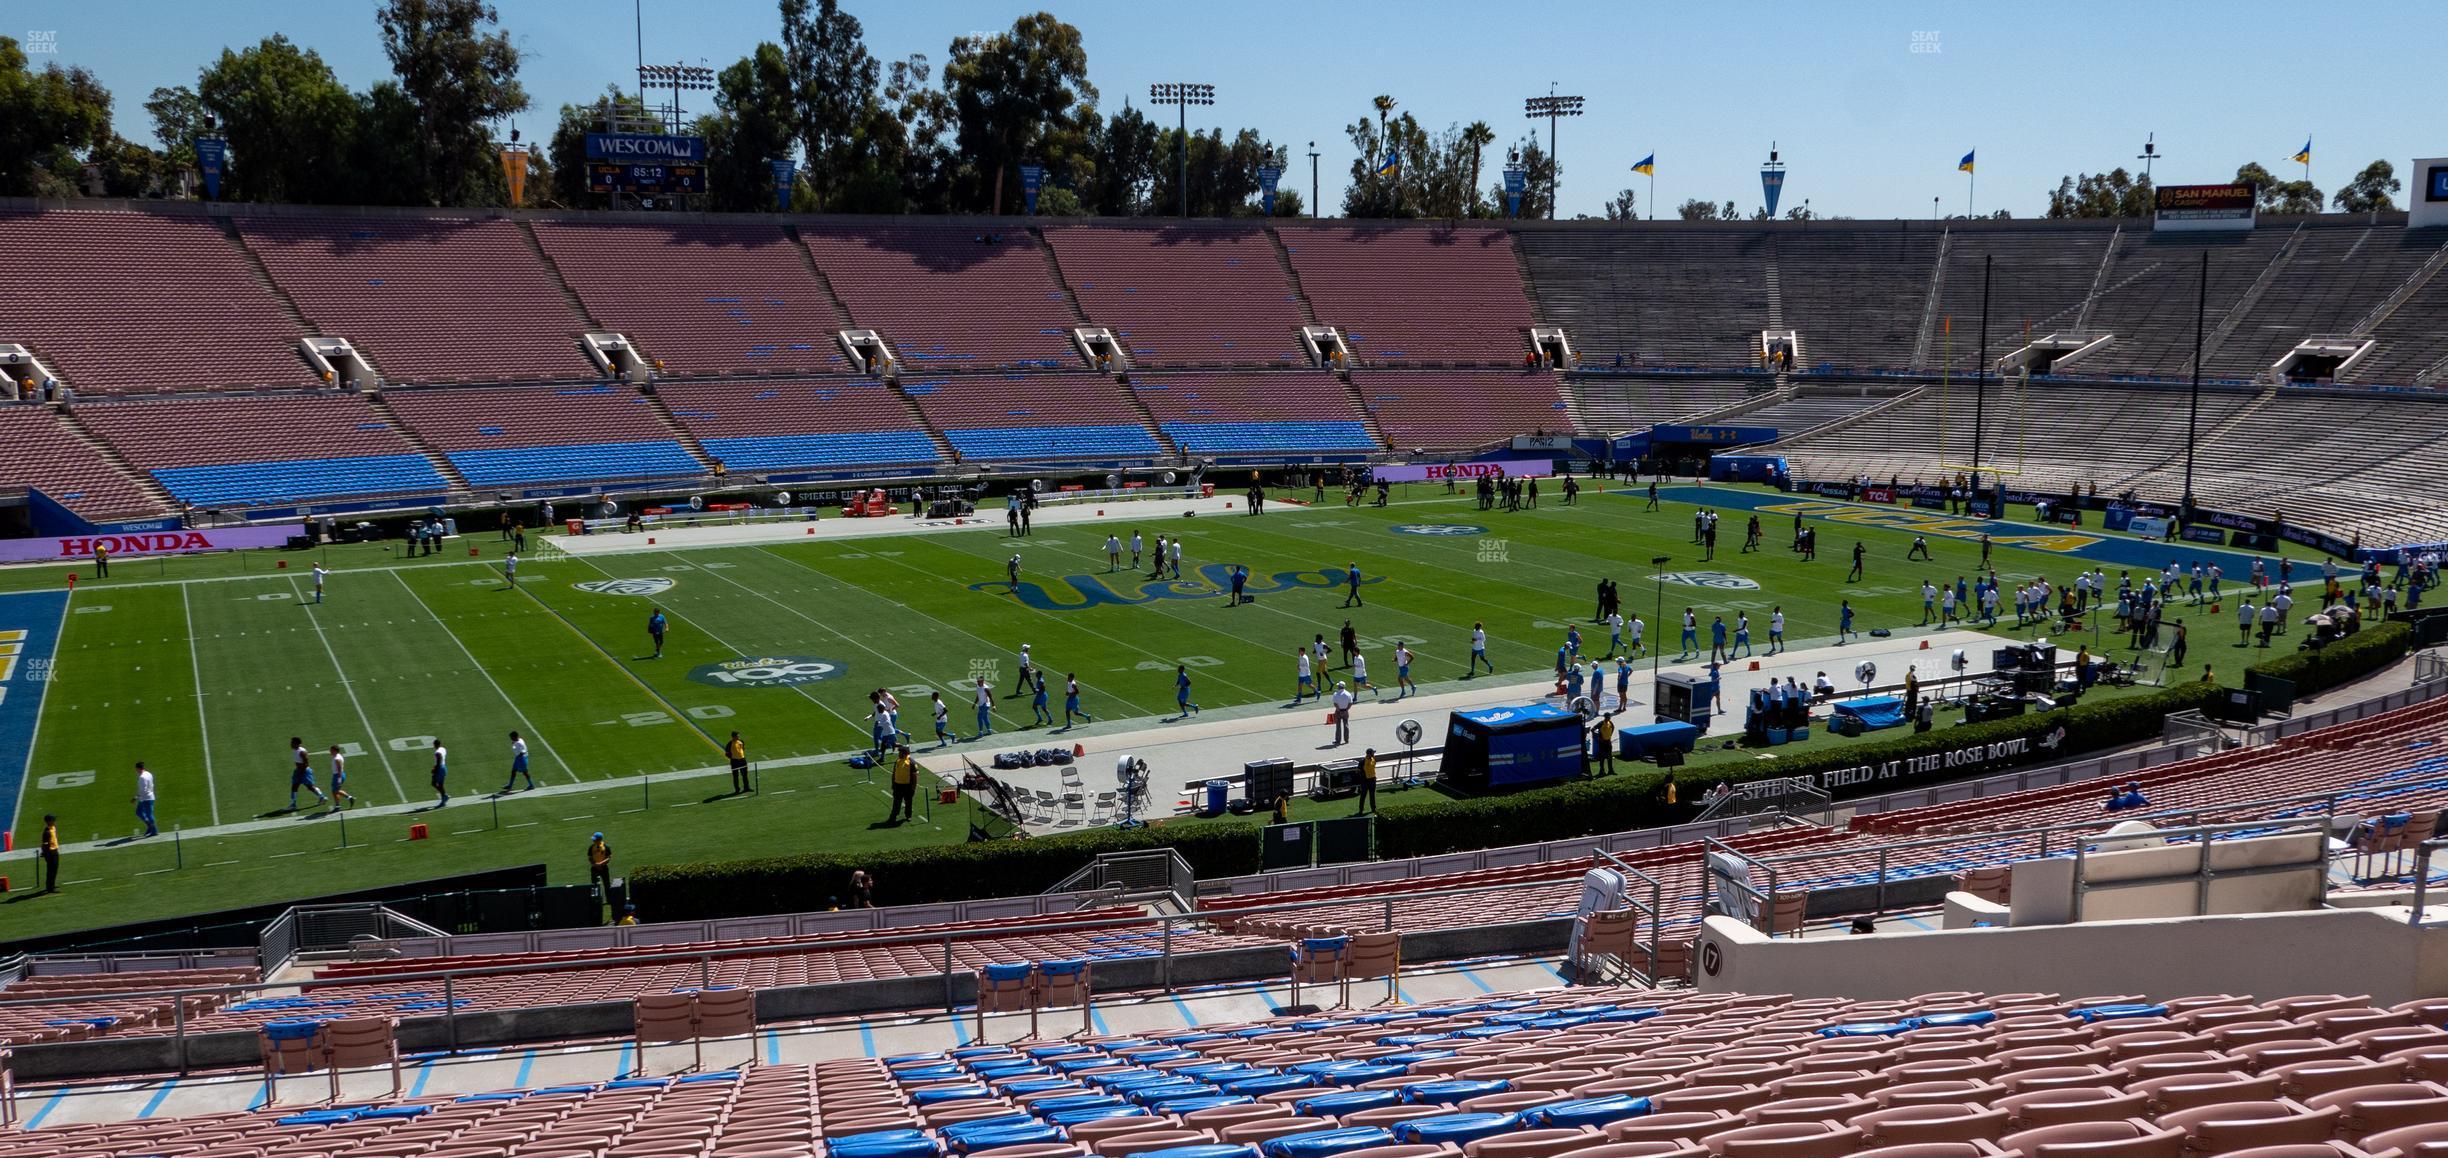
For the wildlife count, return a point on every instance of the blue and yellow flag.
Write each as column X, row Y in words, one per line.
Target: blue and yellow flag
column 1964, row 165
column 1647, row 166
column 2304, row 156
column 1392, row 162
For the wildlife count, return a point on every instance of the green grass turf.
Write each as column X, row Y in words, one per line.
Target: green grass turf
column 406, row 650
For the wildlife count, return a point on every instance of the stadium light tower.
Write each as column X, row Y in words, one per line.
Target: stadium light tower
column 2150, row 153
column 1313, row 181
column 1182, row 96
column 679, row 78
column 1551, row 107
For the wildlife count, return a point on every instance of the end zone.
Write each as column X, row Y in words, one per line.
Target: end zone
column 29, row 635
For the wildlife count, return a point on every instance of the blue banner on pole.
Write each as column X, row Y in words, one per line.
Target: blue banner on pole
column 1772, row 182
column 1516, row 182
column 211, row 153
column 1268, row 175
column 785, row 173
column 1032, row 179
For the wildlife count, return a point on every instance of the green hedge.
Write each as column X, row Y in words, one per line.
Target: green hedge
column 1426, row 824
column 2351, row 658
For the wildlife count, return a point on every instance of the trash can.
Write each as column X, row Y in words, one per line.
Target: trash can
column 1219, row 793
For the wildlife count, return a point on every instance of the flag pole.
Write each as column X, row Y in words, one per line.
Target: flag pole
column 1652, row 192
column 1971, row 181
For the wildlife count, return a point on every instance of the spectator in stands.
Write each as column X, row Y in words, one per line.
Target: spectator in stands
column 628, row 915
column 599, row 867
column 862, row 889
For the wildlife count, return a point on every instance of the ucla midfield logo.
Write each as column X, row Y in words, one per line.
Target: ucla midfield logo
column 1080, row 592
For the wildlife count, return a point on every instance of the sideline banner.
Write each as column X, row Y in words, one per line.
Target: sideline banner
column 80, row 548
column 1440, row 471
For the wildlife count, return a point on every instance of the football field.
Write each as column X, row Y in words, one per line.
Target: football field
column 205, row 668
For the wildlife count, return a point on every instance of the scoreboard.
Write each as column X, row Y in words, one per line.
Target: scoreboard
column 665, row 180
column 645, row 163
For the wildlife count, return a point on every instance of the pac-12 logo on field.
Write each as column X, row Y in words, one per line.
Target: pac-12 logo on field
column 1462, row 529
column 1718, row 580
column 626, row 586
column 765, row 671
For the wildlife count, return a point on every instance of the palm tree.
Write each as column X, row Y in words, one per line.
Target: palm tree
column 1385, row 107
column 1478, row 135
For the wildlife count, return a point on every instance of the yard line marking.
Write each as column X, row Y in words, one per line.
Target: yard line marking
column 373, row 738
column 195, row 667
column 524, row 722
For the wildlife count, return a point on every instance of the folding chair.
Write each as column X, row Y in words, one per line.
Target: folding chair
column 1320, row 961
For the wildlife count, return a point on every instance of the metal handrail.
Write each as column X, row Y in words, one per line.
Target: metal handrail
column 1765, row 901
column 2422, row 877
column 1656, row 908
column 705, row 958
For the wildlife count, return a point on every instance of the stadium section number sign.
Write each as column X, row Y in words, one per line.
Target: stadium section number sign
column 626, row 586
column 1719, row 580
column 1452, row 529
column 770, row 671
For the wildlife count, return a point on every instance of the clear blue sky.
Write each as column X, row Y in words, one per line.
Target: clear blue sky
column 1868, row 126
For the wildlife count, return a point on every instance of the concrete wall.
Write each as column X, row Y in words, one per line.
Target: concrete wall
column 2351, row 951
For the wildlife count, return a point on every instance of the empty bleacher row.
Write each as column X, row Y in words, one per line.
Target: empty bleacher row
column 265, row 449
column 2129, row 431
column 74, row 1017
column 38, row 450
column 1653, row 297
column 1589, row 1072
column 703, row 299
column 801, row 423
column 1618, row 403
column 1849, row 293
column 1185, row 295
column 1436, row 294
column 541, row 434
column 428, row 299
column 1224, row 413
column 600, row 975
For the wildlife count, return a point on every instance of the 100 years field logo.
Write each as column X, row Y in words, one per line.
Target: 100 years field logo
column 766, row 671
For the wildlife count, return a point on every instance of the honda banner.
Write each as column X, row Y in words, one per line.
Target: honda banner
column 1465, row 471
column 81, row 548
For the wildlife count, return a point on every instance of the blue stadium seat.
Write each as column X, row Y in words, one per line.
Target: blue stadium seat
column 300, row 480
column 1044, row 442
column 1254, row 437
column 580, row 463
column 786, row 451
